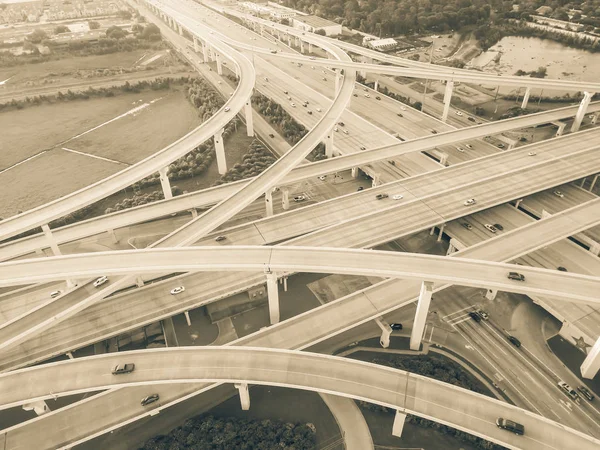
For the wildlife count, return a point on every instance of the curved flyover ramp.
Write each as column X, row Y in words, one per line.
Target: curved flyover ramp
column 404, row 391
column 462, row 271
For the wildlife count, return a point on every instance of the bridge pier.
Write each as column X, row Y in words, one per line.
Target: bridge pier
column 595, row 248
column 583, row 106
column 187, row 318
column 561, row 128
column 526, row 98
column 399, row 421
column 165, row 183
column 376, row 181
column 329, row 144
column 591, row 364
column 386, row 331
column 309, row 47
column 595, row 118
column 441, row 233
column 204, row 52
column 593, row 182
column 244, row 395
column 421, row 314
column 196, row 46
column 301, row 46
column 273, row 294
column 180, row 30
column 220, row 149
column 285, row 198
column 491, row 294
column 112, row 234
column 376, row 87
column 337, row 81
column 51, row 240
column 40, row 407
column 447, row 99
column 354, row 172
column 219, row 64
column 249, row 119
column 289, row 40
column 269, row 202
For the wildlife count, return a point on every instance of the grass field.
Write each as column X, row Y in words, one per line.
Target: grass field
column 138, row 135
column 47, row 177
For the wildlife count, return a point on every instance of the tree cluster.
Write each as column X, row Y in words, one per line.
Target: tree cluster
column 211, row 433
column 254, row 162
column 139, row 199
column 540, row 72
column 395, row 17
column 111, row 91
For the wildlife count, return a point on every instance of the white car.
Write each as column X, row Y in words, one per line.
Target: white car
column 312, row 57
column 490, row 228
column 335, row 129
column 531, row 153
column 367, row 95
column 559, row 194
column 470, row 202
column 460, row 149
column 397, row 197
column 468, row 146
column 345, row 131
column 322, row 177
column 293, row 105
column 403, row 108
column 299, row 198
column 318, row 109
column 55, row 294
column 458, row 113
column 227, row 109
column 177, row 290
column 100, row 281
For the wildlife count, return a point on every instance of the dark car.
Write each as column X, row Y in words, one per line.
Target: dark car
column 341, row 124
column 356, row 95
column 562, row 269
column 360, row 188
column 396, row 326
column 470, row 119
column 511, row 426
column 150, row 399
column 513, row 340
column 498, row 226
column 476, row 317
column 399, row 115
column 434, row 132
column 468, row 226
column 123, row 368
column 585, row 392
column 381, row 196
column 271, row 135
column 220, row 238
column 516, row 276
column 378, row 98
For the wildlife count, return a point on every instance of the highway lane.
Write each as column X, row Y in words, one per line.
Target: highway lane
column 400, row 220
column 407, row 392
column 213, row 195
column 76, row 200
column 72, row 424
column 385, row 264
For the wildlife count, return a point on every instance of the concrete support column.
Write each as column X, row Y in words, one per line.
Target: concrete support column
column 187, row 318
column 376, row 181
column 244, row 395
column 595, row 118
column 180, row 30
column 354, row 172
column 51, row 240
column 289, row 41
column 196, row 46
column 526, row 97
column 309, row 47
column 386, row 331
column 194, row 212
column 398, row 426
column 285, row 284
column 595, row 248
column 443, row 159
column 40, row 407
column 583, row 106
column 582, row 182
column 112, row 234
column 139, row 282
column 329, row 144
column 220, row 149
column 269, row 202
column 376, row 85
column 204, row 52
column 561, row 128
column 219, row 64
column 273, row 294
column 593, row 182
column 447, row 99
column 421, row 314
column 439, row 238
column 451, row 249
column 491, row 294
column 301, row 46
column 338, row 79
column 431, row 231
column 164, row 182
column 249, row 119
column 591, row 364
column 285, row 198
column 70, row 355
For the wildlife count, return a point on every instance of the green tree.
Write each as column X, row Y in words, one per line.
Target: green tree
column 37, row 36
column 93, row 25
column 61, row 29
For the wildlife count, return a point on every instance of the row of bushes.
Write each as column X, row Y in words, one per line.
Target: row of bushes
column 208, row 432
column 290, row 129
column 567, row 98
column 155, row 85
column 253, row 163
column 385, row 91
column 139, row 199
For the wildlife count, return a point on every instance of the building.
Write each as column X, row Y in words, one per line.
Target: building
column 383, row 45
column 280, row 14
column 316, row 23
